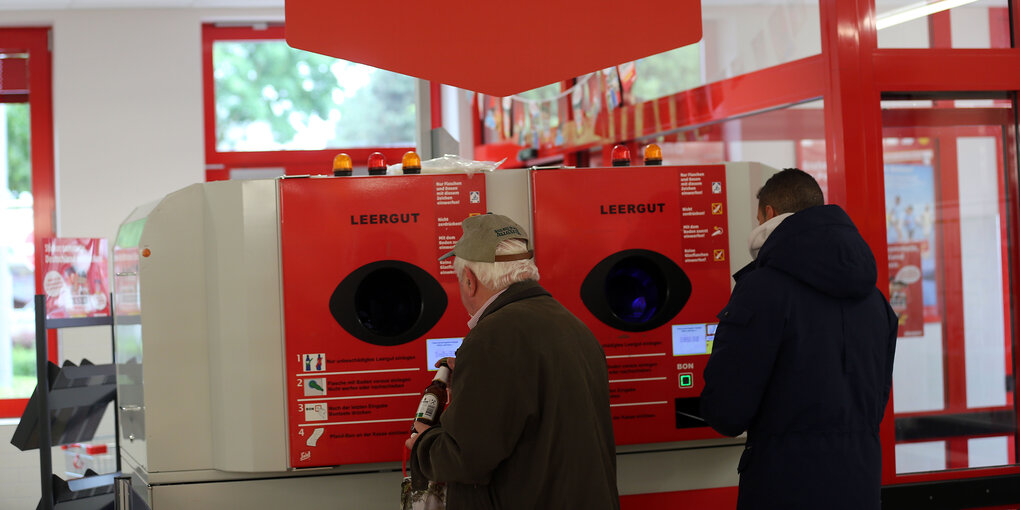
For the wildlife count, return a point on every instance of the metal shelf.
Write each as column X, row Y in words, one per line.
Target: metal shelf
column 68, row 403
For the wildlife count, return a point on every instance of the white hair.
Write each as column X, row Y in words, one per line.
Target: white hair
column 500, row 275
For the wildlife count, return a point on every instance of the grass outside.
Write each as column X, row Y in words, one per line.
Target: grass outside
column 23, row 360
column 21, row 387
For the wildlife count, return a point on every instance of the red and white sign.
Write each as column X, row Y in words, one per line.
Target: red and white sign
column 651, row 373
column 351, row 401
column 75, row 277
column 906, row 295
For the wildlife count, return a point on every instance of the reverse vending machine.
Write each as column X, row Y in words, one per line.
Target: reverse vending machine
column 272, row 332
column 643, row 255
column 273, row 336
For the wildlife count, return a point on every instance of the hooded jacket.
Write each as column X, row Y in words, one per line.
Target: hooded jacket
column 802, row 360
column 528, row 425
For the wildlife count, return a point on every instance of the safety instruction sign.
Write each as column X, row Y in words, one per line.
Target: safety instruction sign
column 351, row 397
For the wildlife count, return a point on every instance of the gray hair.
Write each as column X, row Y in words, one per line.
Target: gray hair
column 500, row 275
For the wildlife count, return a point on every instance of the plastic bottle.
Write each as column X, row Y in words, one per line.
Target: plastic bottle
column 433, row 399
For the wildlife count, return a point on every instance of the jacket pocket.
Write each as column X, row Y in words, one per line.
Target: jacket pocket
column 745, row 459
column 734, row 314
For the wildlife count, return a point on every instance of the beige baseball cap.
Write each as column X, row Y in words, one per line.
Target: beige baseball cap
column 482, row 233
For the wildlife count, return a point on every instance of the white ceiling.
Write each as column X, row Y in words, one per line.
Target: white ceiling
column 118, row 4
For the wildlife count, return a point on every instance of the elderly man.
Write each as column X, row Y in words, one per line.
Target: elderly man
column 803, row 357
column 529, row 424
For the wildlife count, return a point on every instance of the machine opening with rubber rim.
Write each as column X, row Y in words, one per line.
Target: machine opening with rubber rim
column 388, row 302
column 635, row 290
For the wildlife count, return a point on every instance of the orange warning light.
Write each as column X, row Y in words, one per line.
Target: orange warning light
column 342, row 165
column 376, row 164
column 621, row 155
column 653, row 155
column 411, row 163
column 146, row 252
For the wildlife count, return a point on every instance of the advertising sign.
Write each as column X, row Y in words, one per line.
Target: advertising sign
column 905, row 291
column 75, row 277
column 910, row 218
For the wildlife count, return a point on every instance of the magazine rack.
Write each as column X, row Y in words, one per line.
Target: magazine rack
column 66, row 407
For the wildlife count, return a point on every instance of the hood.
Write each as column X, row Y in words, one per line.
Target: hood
column 821, row 247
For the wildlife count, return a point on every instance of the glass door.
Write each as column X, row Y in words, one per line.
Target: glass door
column 950, row 193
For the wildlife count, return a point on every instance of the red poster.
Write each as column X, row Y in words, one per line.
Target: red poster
column 905, row 292
column 74, row 277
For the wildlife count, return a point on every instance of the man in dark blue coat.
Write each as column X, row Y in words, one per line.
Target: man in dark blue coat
column 803, row 357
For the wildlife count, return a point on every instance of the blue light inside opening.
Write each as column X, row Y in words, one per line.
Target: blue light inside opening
column 635, row 290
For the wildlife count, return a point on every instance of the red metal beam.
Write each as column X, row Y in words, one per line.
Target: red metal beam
column 946, row 70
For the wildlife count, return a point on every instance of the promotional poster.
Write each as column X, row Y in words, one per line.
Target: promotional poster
column 75, row 277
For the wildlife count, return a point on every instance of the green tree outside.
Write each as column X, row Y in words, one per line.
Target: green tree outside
column 19, row 157
column 291, row 90
column 668, row 73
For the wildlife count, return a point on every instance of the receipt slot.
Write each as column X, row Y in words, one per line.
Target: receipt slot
column 643, row 255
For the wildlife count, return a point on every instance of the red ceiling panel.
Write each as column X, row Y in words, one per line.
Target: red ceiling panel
column 497, row 48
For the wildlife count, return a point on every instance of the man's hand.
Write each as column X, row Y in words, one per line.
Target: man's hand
column 449, row 361
column 419, row 427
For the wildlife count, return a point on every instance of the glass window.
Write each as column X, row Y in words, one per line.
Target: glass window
column 737, row 39
column 667, row 73
column 948, row 236
column 782, row 138
column 942, row 24
column 17, row 254
column 271, row 97
column 535, row 116
column 749, row 36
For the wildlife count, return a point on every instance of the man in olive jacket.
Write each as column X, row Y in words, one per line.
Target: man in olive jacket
column 528, row 425
column 802, row 358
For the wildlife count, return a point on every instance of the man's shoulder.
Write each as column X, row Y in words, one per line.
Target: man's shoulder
column 758, row 276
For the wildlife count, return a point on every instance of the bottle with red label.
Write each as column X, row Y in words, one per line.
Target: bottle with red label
column 433, row 399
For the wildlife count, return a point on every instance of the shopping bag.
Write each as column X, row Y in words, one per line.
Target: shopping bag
column 433, row 497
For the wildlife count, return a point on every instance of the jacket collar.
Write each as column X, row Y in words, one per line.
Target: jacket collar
column 515, row 292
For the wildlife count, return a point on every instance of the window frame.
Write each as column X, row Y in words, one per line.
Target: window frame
column 293, row 162
column 35, row 42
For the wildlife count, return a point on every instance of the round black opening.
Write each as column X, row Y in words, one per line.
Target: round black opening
column 388, row 302
column 635, row 289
